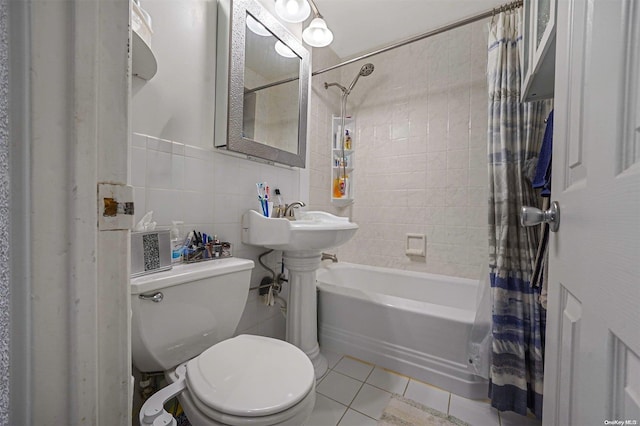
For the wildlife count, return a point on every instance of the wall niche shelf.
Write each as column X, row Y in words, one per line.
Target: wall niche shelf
column 144, row 63
column 342, row 189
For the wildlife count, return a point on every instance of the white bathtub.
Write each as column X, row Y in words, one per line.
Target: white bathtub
column 414, row 323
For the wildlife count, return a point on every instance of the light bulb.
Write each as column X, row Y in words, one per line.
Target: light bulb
column 256, row 27
column 284, row 50
column 317, row 34
column 293, row 10
column 292, row 7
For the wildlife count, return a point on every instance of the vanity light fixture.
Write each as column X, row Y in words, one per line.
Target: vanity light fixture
column 317, row 34
column 284, row 50
column 293, row 10
column 256, row 27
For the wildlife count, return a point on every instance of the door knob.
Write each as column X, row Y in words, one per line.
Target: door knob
column 530, row 216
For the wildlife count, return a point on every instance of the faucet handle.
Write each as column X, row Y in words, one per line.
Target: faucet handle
column 289, row 211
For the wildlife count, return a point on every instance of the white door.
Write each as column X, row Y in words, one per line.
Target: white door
column 592, row 364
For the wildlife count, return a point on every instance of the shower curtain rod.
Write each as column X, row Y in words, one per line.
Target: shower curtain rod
column 478, row 17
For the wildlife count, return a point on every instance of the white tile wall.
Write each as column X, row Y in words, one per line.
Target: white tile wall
column 420, row 146
column 209, row 191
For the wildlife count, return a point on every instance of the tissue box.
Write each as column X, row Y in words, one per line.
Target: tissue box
column 150, row 252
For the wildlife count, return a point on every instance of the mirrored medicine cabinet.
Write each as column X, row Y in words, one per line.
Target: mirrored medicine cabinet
column 261, row 93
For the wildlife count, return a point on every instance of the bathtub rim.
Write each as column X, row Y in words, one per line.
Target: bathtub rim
column 458, row 315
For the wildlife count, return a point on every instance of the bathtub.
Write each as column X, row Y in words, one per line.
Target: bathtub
column 414, row 323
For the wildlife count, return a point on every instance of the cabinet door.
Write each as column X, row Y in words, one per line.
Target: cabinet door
column 543, row 28
column 538, row 55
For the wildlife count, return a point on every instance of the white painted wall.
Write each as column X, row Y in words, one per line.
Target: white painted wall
column 177, row 103
column 420, row 157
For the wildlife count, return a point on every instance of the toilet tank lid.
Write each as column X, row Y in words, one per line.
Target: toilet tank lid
column 182, row 273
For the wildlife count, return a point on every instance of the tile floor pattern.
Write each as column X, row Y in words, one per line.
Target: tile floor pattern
column 355, row 393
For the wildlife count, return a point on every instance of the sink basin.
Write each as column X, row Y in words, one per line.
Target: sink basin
column 302, row 240
column 314, row 230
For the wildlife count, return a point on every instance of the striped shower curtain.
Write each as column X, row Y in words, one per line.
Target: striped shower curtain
column 514, row 138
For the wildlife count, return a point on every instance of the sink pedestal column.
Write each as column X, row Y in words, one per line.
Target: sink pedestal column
column 302, row 308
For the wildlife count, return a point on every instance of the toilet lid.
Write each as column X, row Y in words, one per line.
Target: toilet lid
column 250, row 376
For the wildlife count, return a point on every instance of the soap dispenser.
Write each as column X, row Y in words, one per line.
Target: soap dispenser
column 176, row 242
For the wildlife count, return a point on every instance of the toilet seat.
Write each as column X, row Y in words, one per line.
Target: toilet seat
column 199, row 414
column 246, row 380
column 249, row 376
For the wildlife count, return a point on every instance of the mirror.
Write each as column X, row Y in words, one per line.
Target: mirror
column 261, row 93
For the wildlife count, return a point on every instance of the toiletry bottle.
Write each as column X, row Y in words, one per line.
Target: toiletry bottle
column 347, row 140
column 337, row 193
column 177, row 242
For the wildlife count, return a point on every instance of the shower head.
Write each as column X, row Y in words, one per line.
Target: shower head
column 366, row 70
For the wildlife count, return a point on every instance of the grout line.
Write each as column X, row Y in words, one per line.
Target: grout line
column 342, row 417
column 386, row 390
column 328, row 397
column 369, row 375
column 406, row 387
column 356, row 395
column 360, row 412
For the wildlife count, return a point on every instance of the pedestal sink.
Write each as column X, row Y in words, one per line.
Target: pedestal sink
column 302, row 242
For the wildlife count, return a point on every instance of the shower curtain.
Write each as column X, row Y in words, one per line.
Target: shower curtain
column 514, row 138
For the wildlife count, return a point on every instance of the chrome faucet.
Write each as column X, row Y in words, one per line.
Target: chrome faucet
column 329, row 256
column 288, row 211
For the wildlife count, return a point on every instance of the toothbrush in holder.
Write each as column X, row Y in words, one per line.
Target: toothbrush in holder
column 263, row 197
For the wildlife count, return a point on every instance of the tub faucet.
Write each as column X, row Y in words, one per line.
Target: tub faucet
column 329, row 256
column 288, row 211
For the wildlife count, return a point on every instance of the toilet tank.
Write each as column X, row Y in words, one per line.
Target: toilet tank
column 201, row 305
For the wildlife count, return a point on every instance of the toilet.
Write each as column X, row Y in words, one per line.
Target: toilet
column 182, row 324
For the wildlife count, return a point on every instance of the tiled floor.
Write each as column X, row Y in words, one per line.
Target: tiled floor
column 355, row 393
